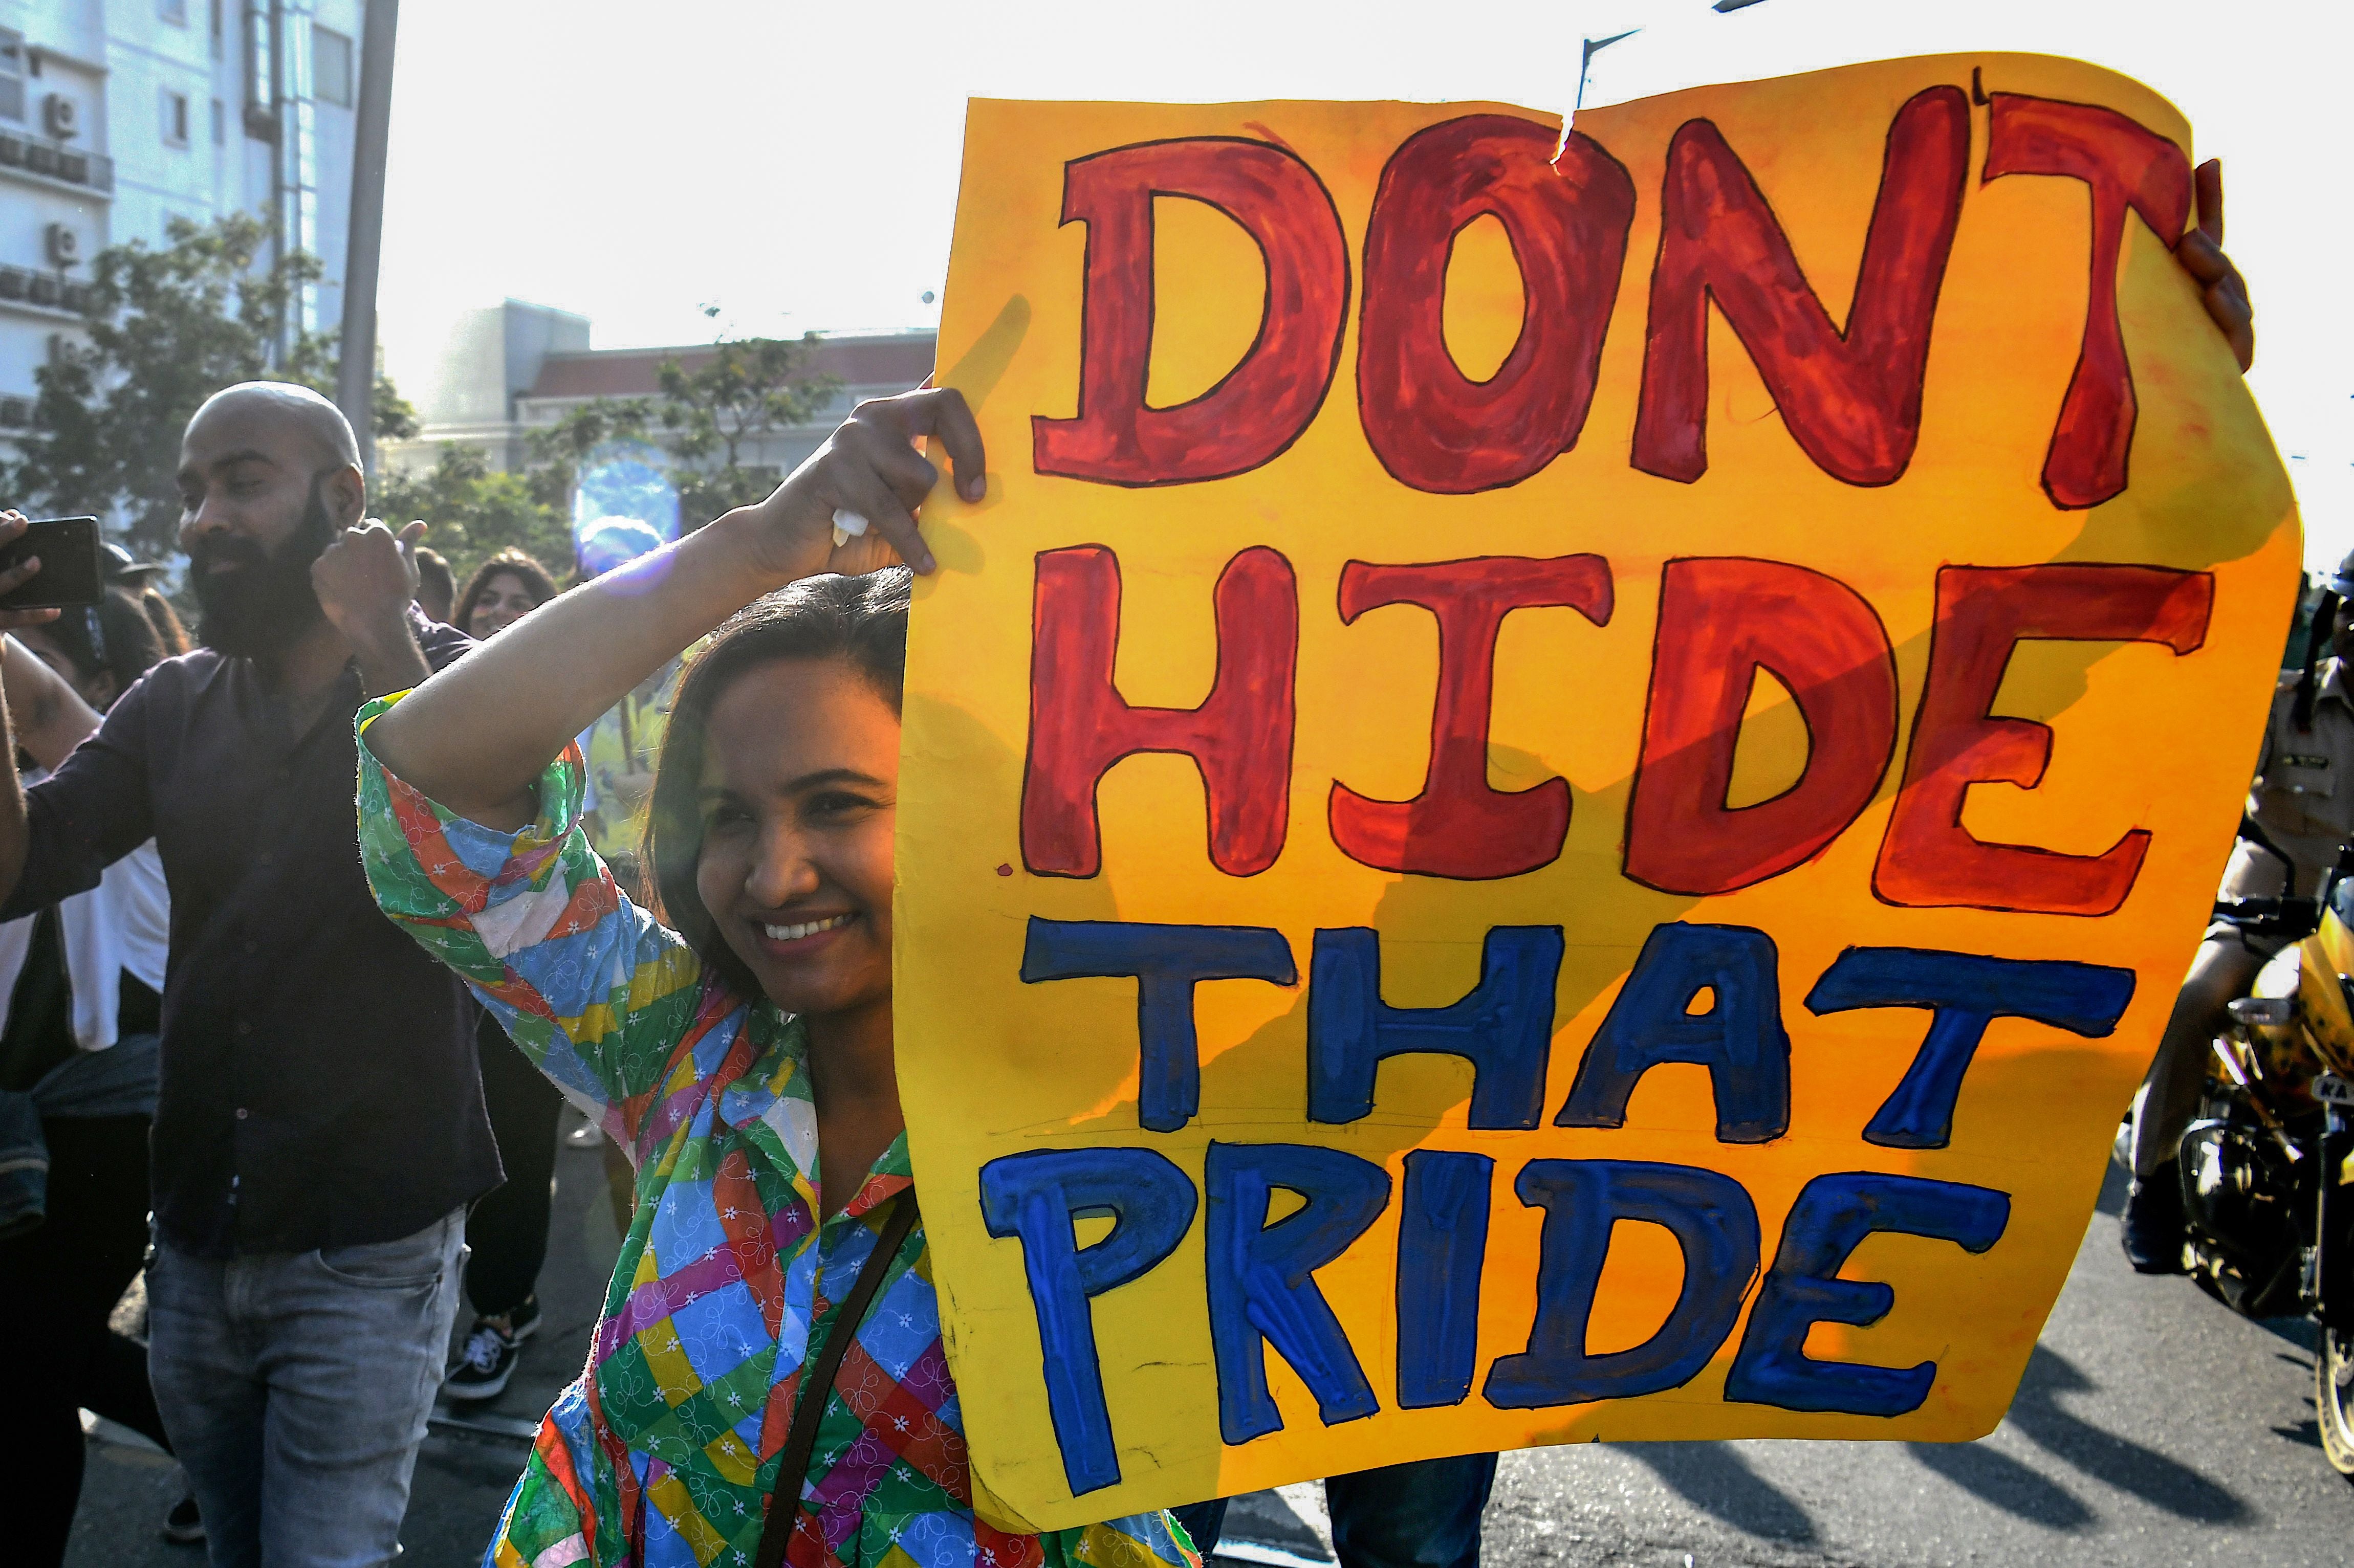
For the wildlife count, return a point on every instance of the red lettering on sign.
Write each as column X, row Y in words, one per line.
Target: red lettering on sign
column 2128, row 166
column 1265, row 402
column 1721, row 621
column 1929, row 858
column 1240, row 737
column 1851, row 399
column 1432, row 427
column 1459, row 826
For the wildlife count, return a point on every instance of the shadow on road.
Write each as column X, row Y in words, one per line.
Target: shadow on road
column 1996, row 1477
column 2309, row 1434
column 1715, row 1478
column 2122, row 1463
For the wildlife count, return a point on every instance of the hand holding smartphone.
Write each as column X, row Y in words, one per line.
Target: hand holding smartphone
column 69, row 570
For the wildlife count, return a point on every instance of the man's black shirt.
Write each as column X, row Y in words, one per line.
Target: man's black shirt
column 319, row 1082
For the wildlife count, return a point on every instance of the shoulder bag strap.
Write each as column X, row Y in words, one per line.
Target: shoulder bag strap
column 817, row 1381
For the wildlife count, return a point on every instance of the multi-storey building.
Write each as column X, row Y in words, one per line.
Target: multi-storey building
column 117, row 116
column 506, row 370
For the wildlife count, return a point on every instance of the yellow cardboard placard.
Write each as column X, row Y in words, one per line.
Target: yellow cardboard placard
column 1563, row 785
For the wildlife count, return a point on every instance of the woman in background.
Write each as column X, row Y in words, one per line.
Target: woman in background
column 506, row 1232
column 119, row 569
column 80, row 993
column 503, row 590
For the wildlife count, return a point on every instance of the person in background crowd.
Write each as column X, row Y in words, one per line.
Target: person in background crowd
column 118, row 569
column 503, row 590
column 1424, row 1513
column 745, row 1057
column 437, row 588
column 619, row 750
column 507, row 1230
column 80, row 995
column 319, row 1124
column 622, row 745
column 2297, row 824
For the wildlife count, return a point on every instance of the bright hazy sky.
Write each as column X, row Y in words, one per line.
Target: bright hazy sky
column 797, row 164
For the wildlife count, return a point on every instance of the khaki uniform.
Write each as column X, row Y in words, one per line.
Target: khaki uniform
column 627, row 739
column 2303, row 796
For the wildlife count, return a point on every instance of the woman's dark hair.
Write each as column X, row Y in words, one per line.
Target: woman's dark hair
column 172, row 636
column 116, row 634
column 862, row 622
column 515, row 564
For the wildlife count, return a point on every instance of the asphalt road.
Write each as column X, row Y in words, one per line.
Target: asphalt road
column 2154, row 1428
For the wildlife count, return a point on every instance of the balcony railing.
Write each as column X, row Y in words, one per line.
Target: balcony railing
column 56, row 160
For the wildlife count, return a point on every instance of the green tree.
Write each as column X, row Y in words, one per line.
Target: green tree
column 166, row 328
column 707, row 420
column 710, row 419
column 750, row 388
column 475, row 512
column 558, row 450
column 315, row 362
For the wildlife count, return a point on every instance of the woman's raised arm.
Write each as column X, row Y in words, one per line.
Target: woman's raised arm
column 478, row 735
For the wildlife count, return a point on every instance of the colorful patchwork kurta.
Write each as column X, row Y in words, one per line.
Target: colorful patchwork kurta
column 664, row 1450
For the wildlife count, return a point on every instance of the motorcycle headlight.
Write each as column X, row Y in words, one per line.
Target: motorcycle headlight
column 2264, row 1011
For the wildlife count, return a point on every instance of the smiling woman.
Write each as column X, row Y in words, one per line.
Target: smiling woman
column 770, row 843
column 833, row 651
column 736, row 1040
column 503, row 589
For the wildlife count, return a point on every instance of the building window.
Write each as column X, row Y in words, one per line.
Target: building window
column 215, row 17
column 220, row 123
column 330, row 66
column 175, row 118
column 172, row 11
column 12, row 75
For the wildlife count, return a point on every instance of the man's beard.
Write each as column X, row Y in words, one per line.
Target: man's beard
column 261, row 605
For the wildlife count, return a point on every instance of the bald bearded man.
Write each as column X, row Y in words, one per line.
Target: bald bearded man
column 319, row 1129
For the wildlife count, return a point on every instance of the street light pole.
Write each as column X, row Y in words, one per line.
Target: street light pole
column 356, row 374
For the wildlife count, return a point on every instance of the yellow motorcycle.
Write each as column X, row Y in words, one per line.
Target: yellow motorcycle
column 2265, row 1166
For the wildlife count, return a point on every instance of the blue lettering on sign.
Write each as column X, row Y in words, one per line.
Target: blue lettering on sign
column 1442, row 1246
column 1261, row 1278
column 1833, row 1214
column 1166, row 961
column 1034, row 1196
column 1503, row 1028
column 1740, row 1039
column 1713, row 1220
column 1964, row 993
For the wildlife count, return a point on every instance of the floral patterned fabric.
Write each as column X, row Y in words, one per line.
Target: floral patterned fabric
column 665, row 1450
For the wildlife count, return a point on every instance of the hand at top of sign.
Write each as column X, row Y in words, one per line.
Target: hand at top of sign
column 870, row 466
column 2200, row 252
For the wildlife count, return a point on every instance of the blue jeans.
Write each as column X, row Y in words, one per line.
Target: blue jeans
column 296, row 1387
column 1425, row 1514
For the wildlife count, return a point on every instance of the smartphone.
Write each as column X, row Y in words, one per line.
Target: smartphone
column 70, row 571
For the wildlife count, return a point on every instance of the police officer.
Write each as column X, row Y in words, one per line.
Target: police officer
column 2300, row 814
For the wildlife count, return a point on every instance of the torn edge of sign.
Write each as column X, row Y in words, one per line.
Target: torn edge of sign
column 1577, row 102
column 1674, row 28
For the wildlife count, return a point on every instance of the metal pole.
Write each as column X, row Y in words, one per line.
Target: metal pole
column 356, row 376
